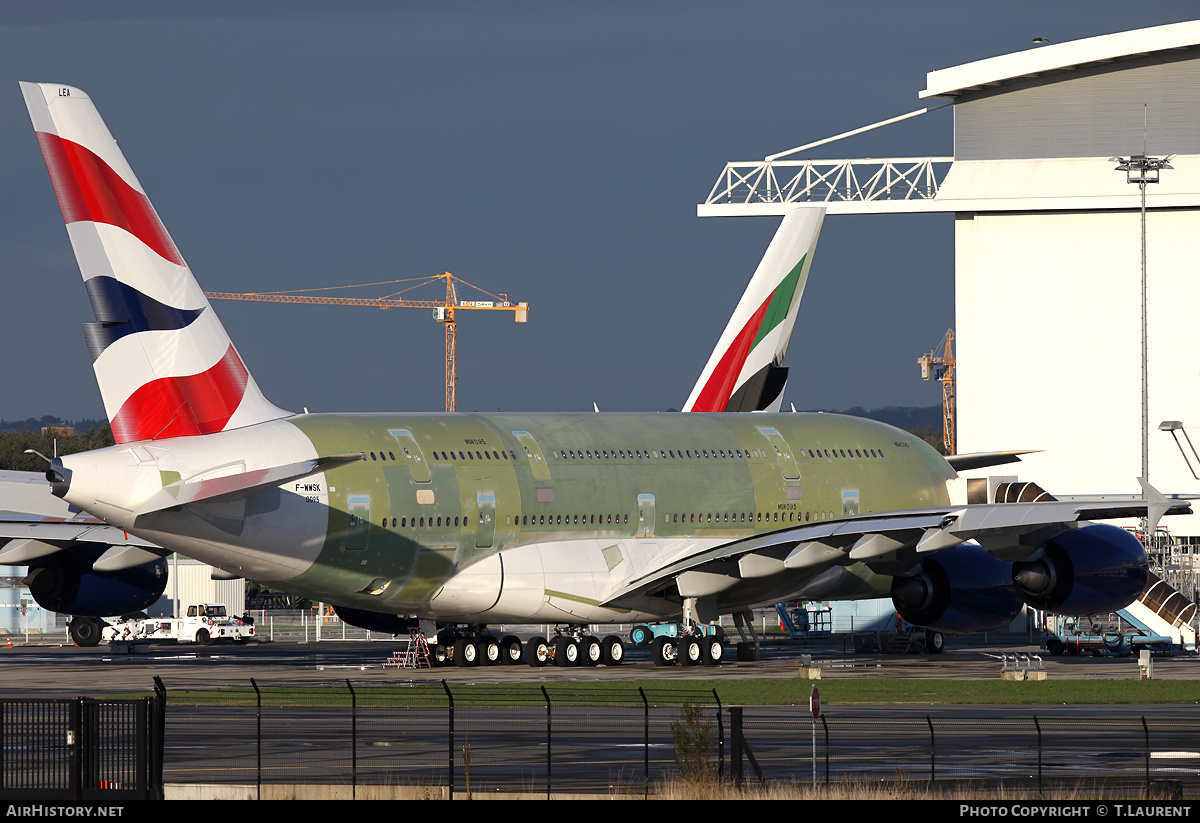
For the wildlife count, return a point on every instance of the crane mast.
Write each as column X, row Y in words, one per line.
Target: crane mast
column 939, row 365
column 444, row 311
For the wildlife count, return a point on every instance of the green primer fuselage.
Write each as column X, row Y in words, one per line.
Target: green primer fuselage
column 438, row 493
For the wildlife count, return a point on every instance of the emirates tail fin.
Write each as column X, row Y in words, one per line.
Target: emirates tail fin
column 745, row 371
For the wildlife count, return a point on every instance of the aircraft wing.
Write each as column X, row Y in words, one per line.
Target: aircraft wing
column 60, row 530
column 891, row 542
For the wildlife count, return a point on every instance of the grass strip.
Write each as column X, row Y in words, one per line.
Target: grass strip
column 731, row 692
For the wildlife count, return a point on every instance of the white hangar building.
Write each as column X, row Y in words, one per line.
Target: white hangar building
column 1048, row 250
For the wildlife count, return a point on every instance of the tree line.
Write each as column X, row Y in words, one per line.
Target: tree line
column 13, row 445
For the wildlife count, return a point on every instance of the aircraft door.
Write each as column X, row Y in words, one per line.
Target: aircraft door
column 486, row 509
column 358, row 526
column 413, row 456
column 849, row 502
column 783, row 453
column 533, row 455
column 645, row 515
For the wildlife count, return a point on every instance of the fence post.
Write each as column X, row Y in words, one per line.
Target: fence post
column 1146, row 732
column 720, row 737
column 158, row 742
column 549, row 742
column 1038, row 726
column 932, row 751
column 735, row 747
column 74, row 747
column 450, row 733
column 825, row 726
column 258, row 735
column 645, row 744
column 353, row 741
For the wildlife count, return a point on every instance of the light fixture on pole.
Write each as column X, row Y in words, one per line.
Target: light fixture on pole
column 1143, row 170
column 1173, row 426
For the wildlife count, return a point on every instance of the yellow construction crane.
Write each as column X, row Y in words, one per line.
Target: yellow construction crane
column 939, row 365
column 443, row 311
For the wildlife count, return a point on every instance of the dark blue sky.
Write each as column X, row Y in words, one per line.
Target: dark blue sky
column 554, row 151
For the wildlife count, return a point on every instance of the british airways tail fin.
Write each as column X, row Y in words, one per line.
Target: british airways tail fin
column 745, row 371
column 165, row 365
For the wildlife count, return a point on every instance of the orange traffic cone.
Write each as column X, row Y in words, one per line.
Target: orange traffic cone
column 10, row 641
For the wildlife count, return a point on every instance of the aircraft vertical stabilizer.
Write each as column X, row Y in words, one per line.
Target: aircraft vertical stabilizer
column 745, row 371
column 164, row 363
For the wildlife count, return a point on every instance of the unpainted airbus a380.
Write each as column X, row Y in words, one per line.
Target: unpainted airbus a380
column 469, row 519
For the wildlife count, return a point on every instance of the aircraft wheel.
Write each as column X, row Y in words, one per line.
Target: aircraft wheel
column 613, row 650
column 537, row 652
column 592, row 653
column 641, row 636
column 466, row 653
column 510, row 650
column 566, row 652
column 714, row 650
column 691, row 652
column 85, row 631
column 439, row 655
column 489, row 651
column 935, row 642
column 664, row 652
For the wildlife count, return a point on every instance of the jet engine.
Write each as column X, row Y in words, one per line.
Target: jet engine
column 65, row 582
column 964, row 589
column 1095, row 569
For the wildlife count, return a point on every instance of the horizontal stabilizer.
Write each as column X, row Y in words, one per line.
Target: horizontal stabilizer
column 240, row 484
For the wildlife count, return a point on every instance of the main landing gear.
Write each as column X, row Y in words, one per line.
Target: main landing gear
column 686, row 643
column 671, row 645
column 468, row 646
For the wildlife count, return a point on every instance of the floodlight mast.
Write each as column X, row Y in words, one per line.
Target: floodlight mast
column 1143, row 170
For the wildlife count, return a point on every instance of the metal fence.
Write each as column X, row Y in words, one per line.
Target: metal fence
column 486, row 739
column 1127, row 754
column 81, row 749
column 557, row 738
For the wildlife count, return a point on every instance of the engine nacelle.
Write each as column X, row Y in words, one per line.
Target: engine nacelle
column 1095, row 569
column 375, row 621
column 963, row 589
column 65, row 582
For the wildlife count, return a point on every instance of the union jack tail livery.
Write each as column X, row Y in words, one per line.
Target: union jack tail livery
column 745, row 371
column 165, row 366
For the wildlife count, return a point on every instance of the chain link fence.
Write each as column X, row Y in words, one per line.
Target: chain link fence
column 448, row 741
